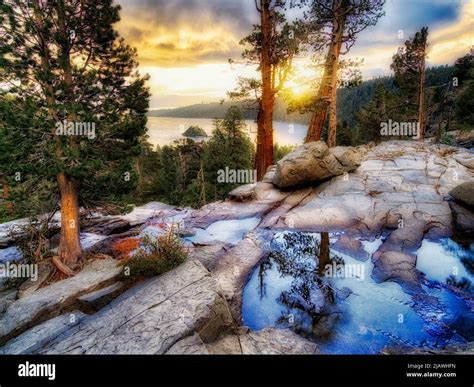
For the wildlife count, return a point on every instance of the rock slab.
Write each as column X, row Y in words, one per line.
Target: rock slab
column 153, row 316
column 38, row 336
column 51, row 300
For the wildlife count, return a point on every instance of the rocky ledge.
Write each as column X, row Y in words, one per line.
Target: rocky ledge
column 401, row 190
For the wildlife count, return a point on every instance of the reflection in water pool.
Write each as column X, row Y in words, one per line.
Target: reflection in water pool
column 446, row 260
column 357, row 316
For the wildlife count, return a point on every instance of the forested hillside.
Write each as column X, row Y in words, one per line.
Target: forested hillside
column 351, row 101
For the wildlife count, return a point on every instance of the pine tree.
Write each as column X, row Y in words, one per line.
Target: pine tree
column 272, row 46
column 228, row 147
column 464, row 101
column 409, row 66
column 334, row 25
column 67, row 58
column 385, row 105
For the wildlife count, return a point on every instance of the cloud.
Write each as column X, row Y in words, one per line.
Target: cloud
column 204, row 82
column 179, row 33
column 185, row 44
column 450, row 26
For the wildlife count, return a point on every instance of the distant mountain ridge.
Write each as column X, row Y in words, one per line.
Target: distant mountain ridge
column 350, row 101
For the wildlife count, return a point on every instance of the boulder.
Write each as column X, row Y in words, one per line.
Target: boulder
column 408, row 237
column 141, row 214
column 235, row 266
column 209, row 254
column 463, row 217
column 244, row 193
column 467, row 161
column 464, row 193
column 314, row 161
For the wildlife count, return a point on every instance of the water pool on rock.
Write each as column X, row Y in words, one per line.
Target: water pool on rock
column 354, row 314
column 228, row 231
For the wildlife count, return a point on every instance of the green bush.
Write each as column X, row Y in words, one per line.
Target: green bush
column 155, row 257
column 447, row 139
column 280, row 151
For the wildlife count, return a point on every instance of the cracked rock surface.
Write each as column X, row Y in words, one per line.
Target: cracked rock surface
column 151, row 317
column 400, row 190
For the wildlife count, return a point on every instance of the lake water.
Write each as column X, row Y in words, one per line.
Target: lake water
column 165, row 130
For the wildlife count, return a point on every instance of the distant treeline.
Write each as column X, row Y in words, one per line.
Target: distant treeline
column 351, row 100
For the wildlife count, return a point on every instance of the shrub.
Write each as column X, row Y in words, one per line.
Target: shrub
column 447, row 139
column 155, row 257
column 32, row 239
column 280, row 151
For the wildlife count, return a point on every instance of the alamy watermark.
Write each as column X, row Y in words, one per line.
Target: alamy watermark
column 19, row 270
column 338, row 270
column 241, row 176
column 395, row 128
column 28, row 369
column 71, row 128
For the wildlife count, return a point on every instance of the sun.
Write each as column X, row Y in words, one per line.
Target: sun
column 302, row 80
column 297, row 90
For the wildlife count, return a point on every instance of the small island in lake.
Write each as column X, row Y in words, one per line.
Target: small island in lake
column 195, row 131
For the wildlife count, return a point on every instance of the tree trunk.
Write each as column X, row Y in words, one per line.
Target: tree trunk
column 140, row 178
column 339, row 26
column 202, row 182
column 421, row 100
column 316, row 125
column 264, row 157
column 438, row 132
column 332, row 120
column 70, row 245
column 328, row 89
column 323, row 253
column 6, row 196
column 318, row 118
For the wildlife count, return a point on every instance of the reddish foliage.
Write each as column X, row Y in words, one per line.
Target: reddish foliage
column 122, row 248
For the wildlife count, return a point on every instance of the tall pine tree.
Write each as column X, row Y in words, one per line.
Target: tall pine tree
column 272, row 46
column 66, row 57
column 334, row 26
column 409, row 66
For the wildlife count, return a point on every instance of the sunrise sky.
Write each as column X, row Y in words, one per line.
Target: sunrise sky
column 185, row 44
